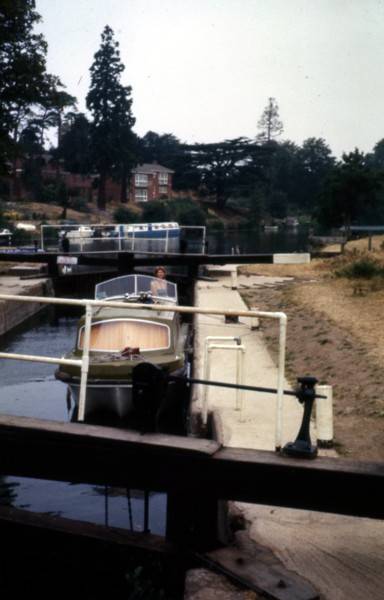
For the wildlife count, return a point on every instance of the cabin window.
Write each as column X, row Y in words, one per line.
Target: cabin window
column 141, row 179
column 115, row 335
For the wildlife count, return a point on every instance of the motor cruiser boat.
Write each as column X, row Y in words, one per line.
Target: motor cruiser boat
column 123, row 338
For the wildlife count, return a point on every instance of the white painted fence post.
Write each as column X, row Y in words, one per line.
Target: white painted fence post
column 85, row 362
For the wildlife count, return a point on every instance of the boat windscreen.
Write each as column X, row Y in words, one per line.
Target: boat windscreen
column 133, row 285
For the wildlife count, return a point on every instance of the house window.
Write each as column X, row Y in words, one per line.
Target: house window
column 141, row 180
column 141, row 195
column 163, row 178
column 163, row 189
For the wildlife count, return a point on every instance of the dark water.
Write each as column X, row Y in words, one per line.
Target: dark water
column 30, row 389
column 258, row 241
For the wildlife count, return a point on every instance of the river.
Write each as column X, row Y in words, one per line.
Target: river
column 258, row 241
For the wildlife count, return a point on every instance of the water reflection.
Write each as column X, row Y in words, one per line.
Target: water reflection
column 258, row 241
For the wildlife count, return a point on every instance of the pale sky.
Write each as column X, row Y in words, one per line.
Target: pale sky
column 204, row 69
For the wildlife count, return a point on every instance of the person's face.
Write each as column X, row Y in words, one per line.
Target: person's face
column 161, row 274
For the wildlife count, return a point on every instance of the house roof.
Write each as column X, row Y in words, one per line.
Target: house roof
column 149, row 168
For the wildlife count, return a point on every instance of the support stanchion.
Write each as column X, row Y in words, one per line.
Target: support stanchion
column 324, row 416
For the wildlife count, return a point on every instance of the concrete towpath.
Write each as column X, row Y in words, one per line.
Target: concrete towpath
column 255, row 425
column 342, row 557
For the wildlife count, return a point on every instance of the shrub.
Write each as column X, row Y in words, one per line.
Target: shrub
column 362, row 267
column 125, row 215
column 78, row 203
column 186, row 212
column 215, row 225
column 156, row 211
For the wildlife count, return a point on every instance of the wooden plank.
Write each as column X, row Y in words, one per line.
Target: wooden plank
column 272, row 580
column 66, row 433
column 74, row 452
column 17, row 521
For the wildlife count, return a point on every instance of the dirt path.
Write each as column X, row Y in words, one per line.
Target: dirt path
column 337, row 335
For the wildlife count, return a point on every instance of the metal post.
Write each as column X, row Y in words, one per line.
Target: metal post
column 240, row 379
column 280, row 380
column 166, row 241
column 85, row 362
column 207, row 369
column 205, row 396
column 324, row 416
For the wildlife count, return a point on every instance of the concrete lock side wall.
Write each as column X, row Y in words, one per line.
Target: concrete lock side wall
column 13, row 313
column 292, row 259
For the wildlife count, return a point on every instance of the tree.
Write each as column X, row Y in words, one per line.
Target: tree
column 314, row 164
column 74, row 146
column 110, row 105
column 269, row 123
column 23, row 81
column 220, row 166
column 352, row 188
column 167, row 150
column 376, row 158
column 56, row 102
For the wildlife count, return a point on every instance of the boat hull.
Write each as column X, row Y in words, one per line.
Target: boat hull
column 114, row 399
column 104, row 397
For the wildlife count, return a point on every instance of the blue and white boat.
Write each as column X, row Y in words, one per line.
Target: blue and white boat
column 149, row 230
column 149, row 237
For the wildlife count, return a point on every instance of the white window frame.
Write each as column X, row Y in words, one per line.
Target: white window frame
column 141, row 179
column 141, row 195
column 163, row 179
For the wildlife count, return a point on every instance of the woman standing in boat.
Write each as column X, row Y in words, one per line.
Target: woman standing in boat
column 159, row 285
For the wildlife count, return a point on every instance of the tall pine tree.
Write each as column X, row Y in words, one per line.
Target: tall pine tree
column 269, row 123
column 110, row 104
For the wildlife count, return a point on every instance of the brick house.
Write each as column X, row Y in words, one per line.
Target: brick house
column 150, row 182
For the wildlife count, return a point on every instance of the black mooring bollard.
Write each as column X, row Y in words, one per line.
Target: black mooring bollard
column 302, row 447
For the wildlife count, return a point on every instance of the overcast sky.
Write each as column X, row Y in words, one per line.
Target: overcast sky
column 204, row 69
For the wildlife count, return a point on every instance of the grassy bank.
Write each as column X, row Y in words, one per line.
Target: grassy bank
column 336, row 333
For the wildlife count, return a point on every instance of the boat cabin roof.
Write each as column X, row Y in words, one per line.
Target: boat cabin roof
column 137, row 288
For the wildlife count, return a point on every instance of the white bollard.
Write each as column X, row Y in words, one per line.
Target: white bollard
column 324, row 416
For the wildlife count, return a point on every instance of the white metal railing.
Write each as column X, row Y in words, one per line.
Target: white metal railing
column 84, row 363
column 131, row 240
column 223, row 343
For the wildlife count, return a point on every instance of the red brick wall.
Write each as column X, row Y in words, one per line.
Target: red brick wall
column 153, row 187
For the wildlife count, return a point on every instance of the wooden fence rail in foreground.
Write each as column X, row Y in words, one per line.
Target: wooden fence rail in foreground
column 195, row 469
